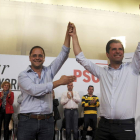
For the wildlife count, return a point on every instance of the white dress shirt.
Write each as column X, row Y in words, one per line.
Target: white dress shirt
column 118, row 87
column 70, row 103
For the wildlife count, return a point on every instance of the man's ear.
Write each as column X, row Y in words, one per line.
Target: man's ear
column 29, row 58
column 107, row 54
column 44, row 58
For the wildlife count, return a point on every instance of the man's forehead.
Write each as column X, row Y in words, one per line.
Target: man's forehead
column 37, row 51
column 114, row 45
column 90, row 88
column 71, row 84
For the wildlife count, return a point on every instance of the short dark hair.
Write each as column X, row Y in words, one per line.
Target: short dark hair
column 90, row 86
column 112, row 41
column 35, row 48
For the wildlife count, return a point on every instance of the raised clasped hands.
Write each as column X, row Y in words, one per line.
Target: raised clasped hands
column 71, row 29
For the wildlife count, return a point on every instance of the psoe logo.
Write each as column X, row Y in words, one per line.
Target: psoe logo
column 87, row 76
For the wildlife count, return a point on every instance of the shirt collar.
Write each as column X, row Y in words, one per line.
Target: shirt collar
column 29, row 69
column 120, row 67
column 89, row 96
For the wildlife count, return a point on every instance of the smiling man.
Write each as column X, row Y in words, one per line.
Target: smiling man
column 115, row 53
column 36, row 84
column 118, row 85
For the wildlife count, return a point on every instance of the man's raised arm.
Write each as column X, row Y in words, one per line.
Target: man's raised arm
column 67, row 37
column 73, row 34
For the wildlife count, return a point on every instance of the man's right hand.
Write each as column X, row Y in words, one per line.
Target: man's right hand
column 64, row 80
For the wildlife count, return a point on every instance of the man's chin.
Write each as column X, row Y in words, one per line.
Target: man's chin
column 70, row 90
column 37, row 67
column 119, row 61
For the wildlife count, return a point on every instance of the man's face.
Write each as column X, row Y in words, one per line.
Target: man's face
column 70, row 87
column 90, row 90
column 37, row 58
column 116, row 53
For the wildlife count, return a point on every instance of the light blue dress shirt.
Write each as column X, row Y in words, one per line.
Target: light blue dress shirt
column 36, row 91
column 118, row 87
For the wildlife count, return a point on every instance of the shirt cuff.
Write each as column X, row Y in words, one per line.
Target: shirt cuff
column 66, row 49
column 79, row 56
column 49, row 87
